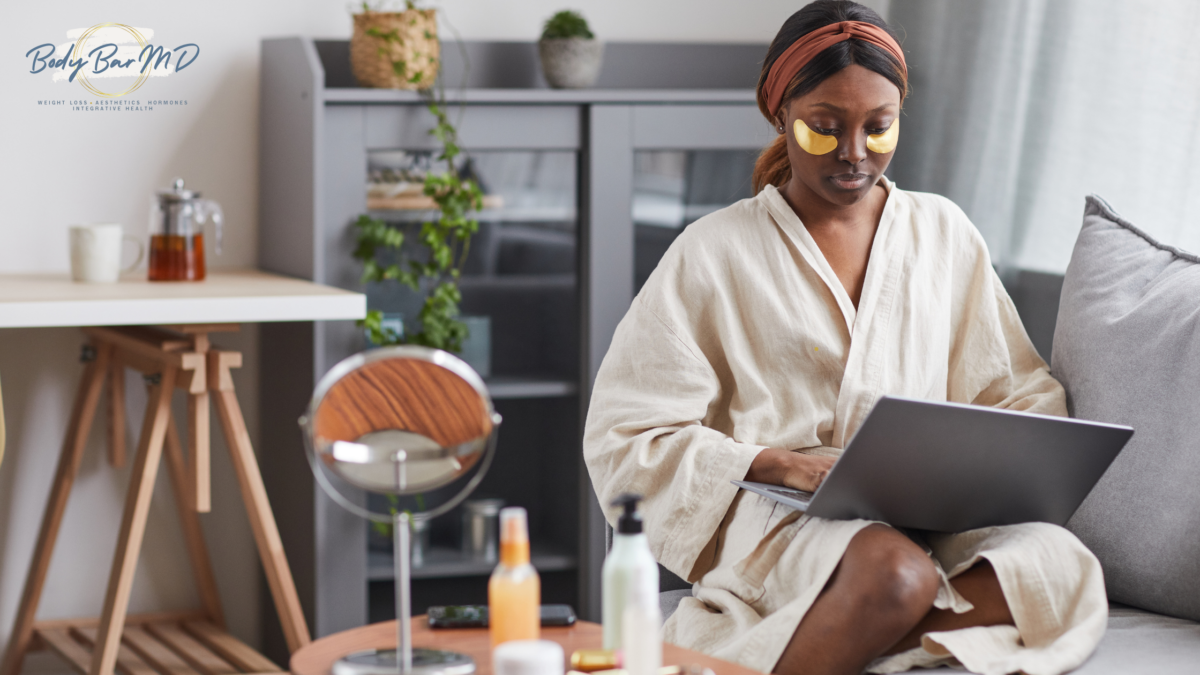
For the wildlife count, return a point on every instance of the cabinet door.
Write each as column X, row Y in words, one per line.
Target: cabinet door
column 688, row 161
column 519, row 270
column 674, row 188
column 653, row 169
column 650, row 171
column 520, row 296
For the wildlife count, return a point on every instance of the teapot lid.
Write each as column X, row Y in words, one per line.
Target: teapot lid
column 177, row 193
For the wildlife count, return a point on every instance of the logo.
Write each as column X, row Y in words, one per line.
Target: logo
column 110, row 60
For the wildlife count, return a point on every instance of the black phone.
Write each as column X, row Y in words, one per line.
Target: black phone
column 557, row 615
column 476, row 616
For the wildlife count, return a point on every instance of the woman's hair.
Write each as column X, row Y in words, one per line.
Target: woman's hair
column 772, row 167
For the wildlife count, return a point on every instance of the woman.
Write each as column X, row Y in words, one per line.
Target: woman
column 757, row 348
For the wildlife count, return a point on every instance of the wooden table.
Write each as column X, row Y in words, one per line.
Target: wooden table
column 318, row 657
column 161, row 330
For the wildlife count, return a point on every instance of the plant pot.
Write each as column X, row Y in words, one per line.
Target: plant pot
column 477, row 348
column 410, row 61
column 571, row 63
column 391, row 320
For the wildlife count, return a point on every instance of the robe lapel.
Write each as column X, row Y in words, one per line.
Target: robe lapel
column 795, row 230
column 868, row 324
column 861, row 380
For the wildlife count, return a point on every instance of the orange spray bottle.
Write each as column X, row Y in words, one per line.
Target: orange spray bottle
column 515, row 590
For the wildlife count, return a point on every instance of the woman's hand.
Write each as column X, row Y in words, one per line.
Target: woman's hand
column 790, row 469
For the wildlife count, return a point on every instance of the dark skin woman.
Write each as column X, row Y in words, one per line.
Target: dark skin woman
column 760, row 344
column 880, row 599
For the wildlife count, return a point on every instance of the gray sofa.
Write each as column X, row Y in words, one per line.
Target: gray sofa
column 1126, row 346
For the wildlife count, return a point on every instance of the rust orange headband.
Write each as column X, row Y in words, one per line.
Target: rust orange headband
column 806, row 48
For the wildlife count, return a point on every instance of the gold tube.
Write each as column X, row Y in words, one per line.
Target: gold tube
column 592, row 660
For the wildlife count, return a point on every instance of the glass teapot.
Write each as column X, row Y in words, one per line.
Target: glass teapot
column 177, row 218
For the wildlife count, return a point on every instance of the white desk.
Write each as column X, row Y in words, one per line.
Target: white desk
column 247, row 296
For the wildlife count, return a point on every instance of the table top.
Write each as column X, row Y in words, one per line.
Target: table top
column 240, row 296
column 318, row 657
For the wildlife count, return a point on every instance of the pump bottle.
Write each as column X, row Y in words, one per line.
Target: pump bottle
column 630, row 571
column 514, row 590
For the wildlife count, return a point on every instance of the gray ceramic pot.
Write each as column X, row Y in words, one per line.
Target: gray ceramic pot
column 571, row 63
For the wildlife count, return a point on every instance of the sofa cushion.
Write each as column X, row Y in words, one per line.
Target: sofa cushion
column 1127, row 350
column 1137, row 643
column 668, row 601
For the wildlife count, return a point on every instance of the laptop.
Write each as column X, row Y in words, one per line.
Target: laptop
column 949, row 467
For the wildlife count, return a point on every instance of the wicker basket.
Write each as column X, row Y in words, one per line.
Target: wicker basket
column 415, row 52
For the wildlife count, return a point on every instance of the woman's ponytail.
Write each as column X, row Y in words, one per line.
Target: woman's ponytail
column 772, row 167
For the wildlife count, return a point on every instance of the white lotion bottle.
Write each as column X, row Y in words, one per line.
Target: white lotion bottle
column 629, row 570
column 641, row 635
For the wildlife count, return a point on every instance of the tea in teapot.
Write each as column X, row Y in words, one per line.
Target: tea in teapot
column 177, row 221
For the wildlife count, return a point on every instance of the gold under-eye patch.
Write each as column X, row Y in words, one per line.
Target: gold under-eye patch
column 812, row 142
column 885, row 142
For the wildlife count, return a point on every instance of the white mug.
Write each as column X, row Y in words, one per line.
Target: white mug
column 96, row 253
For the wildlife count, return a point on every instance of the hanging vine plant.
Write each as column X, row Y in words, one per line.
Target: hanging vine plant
column 442, row 242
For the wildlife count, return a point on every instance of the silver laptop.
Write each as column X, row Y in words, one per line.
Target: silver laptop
column 949, row 467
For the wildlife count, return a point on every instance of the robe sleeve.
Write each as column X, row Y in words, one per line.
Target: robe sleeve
column 646, row 433
column 992, row 361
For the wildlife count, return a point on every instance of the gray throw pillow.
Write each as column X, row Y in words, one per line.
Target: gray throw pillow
column 1127, row 350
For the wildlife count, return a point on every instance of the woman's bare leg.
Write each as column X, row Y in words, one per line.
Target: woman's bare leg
column 883, row 586
column 979, row 586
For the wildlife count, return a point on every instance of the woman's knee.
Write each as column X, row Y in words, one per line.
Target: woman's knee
column 890, row 572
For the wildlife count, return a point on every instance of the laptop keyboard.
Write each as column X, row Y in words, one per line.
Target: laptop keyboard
column 794, row 494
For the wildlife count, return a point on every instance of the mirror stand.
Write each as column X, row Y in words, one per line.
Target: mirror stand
column 404, row 660
column 398, row 421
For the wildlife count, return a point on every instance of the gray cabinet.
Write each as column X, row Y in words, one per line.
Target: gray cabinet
column 588, row 187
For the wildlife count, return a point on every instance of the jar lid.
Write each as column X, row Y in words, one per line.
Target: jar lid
column 483, row 507
column 177, row 193
column 528, row 657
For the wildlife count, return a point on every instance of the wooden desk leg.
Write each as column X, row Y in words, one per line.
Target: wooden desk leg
column 116, row 413
column 262, row 520
column 193, row 535
column 133, row 524
column 199, row 453
column 82, row 414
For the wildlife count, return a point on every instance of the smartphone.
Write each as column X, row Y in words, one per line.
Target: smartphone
column 476, row 616
column 557, row 615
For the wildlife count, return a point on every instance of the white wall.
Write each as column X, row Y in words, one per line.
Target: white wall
column 631, row 20
column 61, row 167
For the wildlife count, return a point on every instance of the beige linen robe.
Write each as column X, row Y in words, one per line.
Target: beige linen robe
column 744, row 338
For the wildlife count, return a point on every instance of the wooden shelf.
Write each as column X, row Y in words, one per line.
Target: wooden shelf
column 517, row 282
column 489, row 214
column 421, row 203
column 446, row 563
column 157, row 648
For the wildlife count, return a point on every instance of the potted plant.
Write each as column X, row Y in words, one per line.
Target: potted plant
column 570, row 53
column 395, row 50
column 432, row 262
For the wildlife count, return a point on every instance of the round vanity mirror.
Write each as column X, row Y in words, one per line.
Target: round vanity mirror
column 400, row 421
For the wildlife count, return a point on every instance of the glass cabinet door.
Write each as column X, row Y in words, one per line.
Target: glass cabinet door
column 520, row 279
column 674, row 188
column 520, row 268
